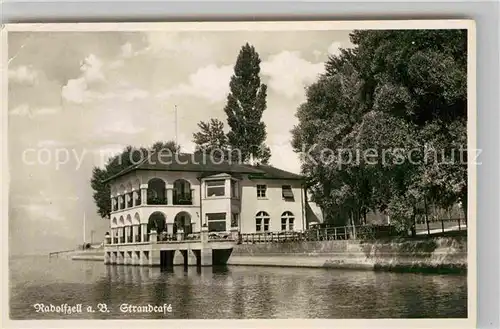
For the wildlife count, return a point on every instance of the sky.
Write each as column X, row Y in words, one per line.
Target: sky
column 76, row 98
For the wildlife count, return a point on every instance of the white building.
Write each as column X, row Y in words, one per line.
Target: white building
column 185, row 191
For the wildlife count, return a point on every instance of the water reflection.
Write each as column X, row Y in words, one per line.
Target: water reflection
column 235, row 292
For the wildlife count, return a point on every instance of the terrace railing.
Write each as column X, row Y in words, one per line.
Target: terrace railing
column 219, row 236
column 361, row 232
column 182, row 199
column 322, row 234
column 167, row 237
column 156, row 201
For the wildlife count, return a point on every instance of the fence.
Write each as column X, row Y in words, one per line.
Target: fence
column 437, row 226
column 319, row 234
column 362, row 232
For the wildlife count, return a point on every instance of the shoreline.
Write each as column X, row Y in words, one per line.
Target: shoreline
column 439, row 255
column 321, row 262
column 430, row 255
column 328, row 263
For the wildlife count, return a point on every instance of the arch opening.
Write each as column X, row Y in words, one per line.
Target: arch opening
column 156, row 192
column 183, row 221
column 156, row 222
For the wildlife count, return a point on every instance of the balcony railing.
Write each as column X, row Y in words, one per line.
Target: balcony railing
column 155, row 201
column 167, row 237
column 183, row 199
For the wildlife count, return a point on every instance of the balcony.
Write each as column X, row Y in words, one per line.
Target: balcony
column 156, row 201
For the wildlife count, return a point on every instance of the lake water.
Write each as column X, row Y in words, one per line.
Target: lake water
column 229, row 292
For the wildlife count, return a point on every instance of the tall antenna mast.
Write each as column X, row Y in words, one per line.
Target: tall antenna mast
column 175, row 107
column 84, row 228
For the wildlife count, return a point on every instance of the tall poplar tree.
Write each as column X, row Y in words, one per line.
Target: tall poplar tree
column 245, row 104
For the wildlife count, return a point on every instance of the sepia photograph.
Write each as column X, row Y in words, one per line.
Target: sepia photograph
column 264, row 170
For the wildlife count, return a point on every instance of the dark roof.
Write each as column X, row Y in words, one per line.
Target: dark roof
column 270, row 172
column 199, row 163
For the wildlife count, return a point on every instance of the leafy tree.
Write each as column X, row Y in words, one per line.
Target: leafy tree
column 245, row 104
column 169, row 145
column 210, row 137
column 395, row 90
column 128, row 157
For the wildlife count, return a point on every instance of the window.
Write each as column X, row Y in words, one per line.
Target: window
column 217, row 226
column 216, row 222
column 261, row 191
column 262, row 218
column 287, row 218
column 287, row 193
column 215, row 188
column 234, row 189
column 182, row 193
column 266, row 224
column 234, row 220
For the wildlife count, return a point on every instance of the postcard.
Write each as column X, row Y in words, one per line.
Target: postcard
column 289, row 173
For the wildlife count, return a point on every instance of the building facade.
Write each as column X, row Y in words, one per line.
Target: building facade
column 180, row 194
